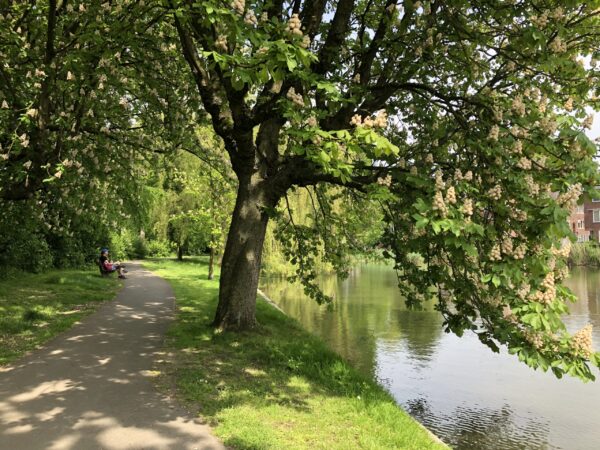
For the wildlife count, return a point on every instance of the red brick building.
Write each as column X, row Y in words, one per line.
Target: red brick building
column 578, row 223
column 592, row 218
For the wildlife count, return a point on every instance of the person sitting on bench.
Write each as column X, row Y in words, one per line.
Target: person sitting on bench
column 109, row 266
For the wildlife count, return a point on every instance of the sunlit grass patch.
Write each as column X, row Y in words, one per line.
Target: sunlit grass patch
column 36, row 307
column 277, row 387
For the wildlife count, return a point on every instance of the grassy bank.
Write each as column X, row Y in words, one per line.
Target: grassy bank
column 585, row 254
column 276, row 388
column 36, row 307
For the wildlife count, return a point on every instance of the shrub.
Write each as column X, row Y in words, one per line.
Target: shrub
column 140, row 248
column 158, row 248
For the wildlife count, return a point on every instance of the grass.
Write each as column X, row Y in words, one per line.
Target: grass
column 36, row 307
column 585, row 254
column 278, row 387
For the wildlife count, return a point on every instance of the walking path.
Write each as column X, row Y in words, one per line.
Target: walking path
column 92, row 387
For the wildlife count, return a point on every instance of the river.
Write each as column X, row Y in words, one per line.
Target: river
column 470, row 397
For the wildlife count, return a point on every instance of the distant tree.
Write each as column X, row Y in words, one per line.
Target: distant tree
column 484, row 156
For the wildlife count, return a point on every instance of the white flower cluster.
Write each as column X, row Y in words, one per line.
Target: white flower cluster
column 439, row 205
column 468, row 176
column 32, row 112
column 569, row 199
column 582, row 341
column 294, row 97
column 356, row 120
column 588, row 122
column 451, row 196
column 294, row 25
column 549, row 292
column 439, row 180
column 305, row 42
column 518, row 106
column 429, row 158
column 564, row 250
column 532, row 186
column 496, row 192
column 380, row 120
column 494, row 132
column 540, row 21
column 507, row 246
column 524, row 163
column 24, row 140
column 519, row 132
column 518, row 214
column 311, row 121
column 467, row 207
column 221, row 43
column 548, row 125
column 523, row 291
column 239, row 6
column 558, row 13
column 569, row 104
column 534, row 339
column 517, row 147
column 520, row 251
column 414, row 170
column 557, row 45
column 458, row 176
column 250, row 18
column 495, row 254
column 387, row 181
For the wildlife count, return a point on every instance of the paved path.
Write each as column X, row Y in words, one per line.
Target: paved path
column 91, row 388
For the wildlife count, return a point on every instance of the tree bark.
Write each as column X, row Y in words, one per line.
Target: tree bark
column 243, row 251
column 180, row 253
column 211, row 264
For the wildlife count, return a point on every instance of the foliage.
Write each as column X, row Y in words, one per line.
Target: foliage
column 281, row 388
column 35, row 308
column 74, row 117
column 585, row 254
column 158, row 249
column 486, row 156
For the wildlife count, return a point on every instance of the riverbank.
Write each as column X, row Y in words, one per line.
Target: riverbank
column 585, row 254
column 280, row 387
column 36, row 307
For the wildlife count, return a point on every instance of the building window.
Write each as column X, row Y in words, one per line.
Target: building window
column 595, row 215
column 580, row 224
column 580, row 238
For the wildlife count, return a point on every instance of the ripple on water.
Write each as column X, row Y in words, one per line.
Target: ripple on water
column 473, row 427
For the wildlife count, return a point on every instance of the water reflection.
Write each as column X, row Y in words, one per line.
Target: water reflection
column 469, row 396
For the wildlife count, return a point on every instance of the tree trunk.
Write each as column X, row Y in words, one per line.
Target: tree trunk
column 211, row 264
column 180, row 253
column 243, row 251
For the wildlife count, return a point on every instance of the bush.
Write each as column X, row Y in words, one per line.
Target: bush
column 158, row 248
column 121, row 245
column 140, row 248
column 585, row 254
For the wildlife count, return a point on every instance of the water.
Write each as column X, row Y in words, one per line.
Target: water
column 470, row 397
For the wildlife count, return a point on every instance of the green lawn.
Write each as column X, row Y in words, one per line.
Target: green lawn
column 277, row 388
column 36, row 307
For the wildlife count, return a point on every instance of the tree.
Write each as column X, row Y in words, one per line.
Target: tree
column 82, row 92
column 484, row 158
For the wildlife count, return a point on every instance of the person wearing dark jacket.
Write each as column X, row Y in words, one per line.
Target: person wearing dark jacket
column 109, row 266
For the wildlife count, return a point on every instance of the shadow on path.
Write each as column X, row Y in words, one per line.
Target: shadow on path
column 92, row 386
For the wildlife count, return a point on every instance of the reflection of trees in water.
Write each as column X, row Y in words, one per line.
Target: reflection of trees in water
column 474, row 428
column 585, row 284
column 366, row 305
column 421, row 331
